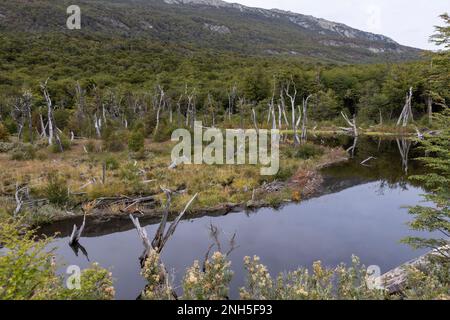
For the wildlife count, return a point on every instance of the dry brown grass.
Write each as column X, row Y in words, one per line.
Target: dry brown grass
column 216, row 184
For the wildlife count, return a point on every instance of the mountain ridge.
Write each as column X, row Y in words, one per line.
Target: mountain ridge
column 216, row 24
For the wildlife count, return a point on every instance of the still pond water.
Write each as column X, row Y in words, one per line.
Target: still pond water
column 361, row 212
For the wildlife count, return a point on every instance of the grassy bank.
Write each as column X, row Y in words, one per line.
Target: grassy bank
column 65, row 184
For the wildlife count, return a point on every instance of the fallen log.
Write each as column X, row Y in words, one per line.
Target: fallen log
column 394, row 280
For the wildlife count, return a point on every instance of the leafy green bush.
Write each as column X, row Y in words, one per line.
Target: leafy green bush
column 6, row 146
column 10, row 125
column 129, row 172
column 23, row 152
column 56, row 190
column 91, row 146
column 136, row 140
column 284, row 173
column 164, row 133
column 320, row 284
column 62, row 117
column 158, row 286
column 65, row 143
column 28, row 270
column 115, row 140
column 212, row 283
column 304, row 151
column 111, row 163
column 4, row 134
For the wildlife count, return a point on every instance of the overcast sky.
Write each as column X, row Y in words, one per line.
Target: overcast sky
column 409, row 22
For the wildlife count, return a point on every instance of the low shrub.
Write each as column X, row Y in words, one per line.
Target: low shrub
column 28, row 271
column 4, row 134
column 23, row 152
column 304, row 151
column 115, row 141
column 136, row 140
column 164, row 133
column 56, row 190
column 65, row 143
column 111, row 163
column 6, row 146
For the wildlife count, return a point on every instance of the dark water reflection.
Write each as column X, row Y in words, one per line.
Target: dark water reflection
column 362, row 213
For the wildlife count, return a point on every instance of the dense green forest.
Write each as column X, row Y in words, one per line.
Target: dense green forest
column 131, row 71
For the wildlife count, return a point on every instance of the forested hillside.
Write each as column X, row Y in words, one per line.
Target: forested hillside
column 208, row 24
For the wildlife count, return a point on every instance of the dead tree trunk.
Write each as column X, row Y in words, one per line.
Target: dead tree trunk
column 43, row 127
column 97, row 125
column 255, row 122
column 430, row 109
column 406, row 114
column 351, row 123
column 304, row 136
column 27, row 97
column 76, row 233
column 294, row 126
column 49, row 112
column 18, row 115
column 161, row 236
column 231, row 99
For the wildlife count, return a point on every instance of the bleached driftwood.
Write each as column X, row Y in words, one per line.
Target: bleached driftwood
column 367, row 160
column 177, row 162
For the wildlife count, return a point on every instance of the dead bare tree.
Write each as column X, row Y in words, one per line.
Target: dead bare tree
column 191, row 109
column 407, row 113
column 50, row 123
column 212, row 109
column 255, row 122
column 352, row 123
column 282, row 108
column 231, row 100
column 21, row 193
column 292, row 97
column 160, row 106
column 27, row 105
column 241, row 107
column 43, row 126
column 18, row 115
column 76, row 232
column 352, row 148
column 179, row 110
column 304, row 119
column 161, row 236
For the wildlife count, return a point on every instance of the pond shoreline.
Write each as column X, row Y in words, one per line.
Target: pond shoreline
column 63, row 224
